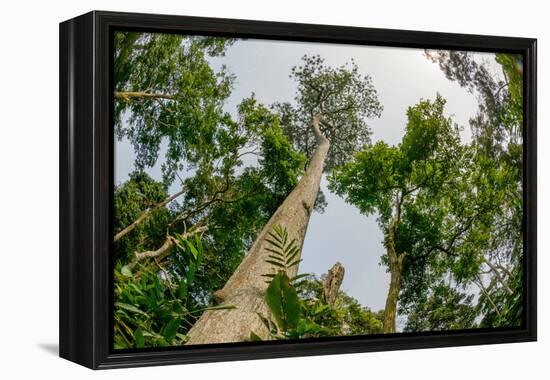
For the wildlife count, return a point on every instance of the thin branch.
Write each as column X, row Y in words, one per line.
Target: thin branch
column 505, row 270
column 168, row 243
column 128, row 95
column 254, row 152
column 498, row 276
column 145, row 215
column 479, row 283
column 448, row 249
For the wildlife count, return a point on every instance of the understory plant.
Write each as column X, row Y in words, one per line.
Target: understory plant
column 297, row 305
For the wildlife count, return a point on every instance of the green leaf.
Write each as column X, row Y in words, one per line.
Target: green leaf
column 129, row 307
column 221, row 307
column 278, row 253
column 276, row 263
column 171, row 329
column 125, row 270
column 138, row 336
column 300, row 276
column 190, row 273
column 274, row 244
column 254, row 337
column 296, row 262
column 192, row 249
column 200, row 250
column 283, row 302
column 265, row 321
column 276, row 258
column 292, row 254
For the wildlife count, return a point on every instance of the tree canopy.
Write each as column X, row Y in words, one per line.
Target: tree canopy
column 343, row 97
column 167, row 92
column 233, row 174
column 224, row 226
column 450, row 210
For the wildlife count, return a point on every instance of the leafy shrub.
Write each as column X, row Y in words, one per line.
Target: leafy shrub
column 298, row 309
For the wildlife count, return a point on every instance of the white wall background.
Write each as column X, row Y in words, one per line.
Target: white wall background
column 29, row 188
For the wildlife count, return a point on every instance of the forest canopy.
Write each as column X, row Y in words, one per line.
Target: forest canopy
column 211, row 219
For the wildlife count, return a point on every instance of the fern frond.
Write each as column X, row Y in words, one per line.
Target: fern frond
column 283, row 253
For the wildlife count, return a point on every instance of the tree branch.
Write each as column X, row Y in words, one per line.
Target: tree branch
column 128, row 95
column 186, row 214
column 168, row 243
column 145, row 215
column 315, row 122
column 498, row 276
column 448, row 249
column 479, row 283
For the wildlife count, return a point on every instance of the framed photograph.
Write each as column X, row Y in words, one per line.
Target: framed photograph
column 235, row 189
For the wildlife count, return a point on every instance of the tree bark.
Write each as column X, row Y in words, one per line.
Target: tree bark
column 390, row 311
column 246, row 287
column 396, row 268
column 333, row 280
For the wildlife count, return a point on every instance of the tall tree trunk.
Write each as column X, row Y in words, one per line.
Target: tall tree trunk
column 390, row 312
column 396, row 268
column 246, row 287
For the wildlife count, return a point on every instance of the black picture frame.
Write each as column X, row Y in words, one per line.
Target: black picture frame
column 86, row 183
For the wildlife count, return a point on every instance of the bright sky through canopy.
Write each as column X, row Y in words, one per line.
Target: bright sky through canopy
column 401, row 76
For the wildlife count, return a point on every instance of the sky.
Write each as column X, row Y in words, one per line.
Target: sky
column 402, row 77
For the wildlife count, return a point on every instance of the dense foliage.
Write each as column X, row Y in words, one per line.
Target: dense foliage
column 232, row 177
column 451, row 212
column 342, row 96
column 450, row 209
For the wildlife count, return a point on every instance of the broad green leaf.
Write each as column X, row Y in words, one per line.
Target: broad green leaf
column 171, row 329
column 129, row 307
column 254, row 337
column 138, row 336
column 192, row 248
column 190, row 273
column 283, row 302
column 200, row 250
